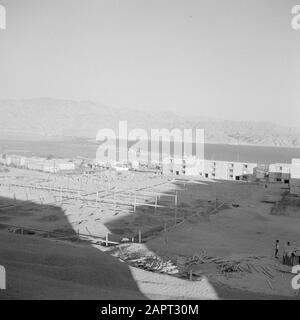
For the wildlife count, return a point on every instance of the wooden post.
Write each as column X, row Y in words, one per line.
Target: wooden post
column 115, row 204
column 134, row 207
column 191, row 275
column 15, row 199
column 155, row 202
column 140, row 237
column 175, row 216
column 176, row 199
column 106, row 239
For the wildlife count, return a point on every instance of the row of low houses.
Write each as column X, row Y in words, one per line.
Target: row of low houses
column 223, row 170
column 37, row 163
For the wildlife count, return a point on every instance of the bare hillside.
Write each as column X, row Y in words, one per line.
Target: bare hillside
column 67, row 118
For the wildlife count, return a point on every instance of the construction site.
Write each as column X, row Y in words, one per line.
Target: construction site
column 168, row 237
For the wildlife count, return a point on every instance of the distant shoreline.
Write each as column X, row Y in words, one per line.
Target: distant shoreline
column 28, row 137
column 72, row 148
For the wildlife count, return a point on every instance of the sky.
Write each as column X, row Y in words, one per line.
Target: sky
column 225, row 59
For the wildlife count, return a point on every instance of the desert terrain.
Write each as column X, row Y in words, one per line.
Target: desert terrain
column 151, row 236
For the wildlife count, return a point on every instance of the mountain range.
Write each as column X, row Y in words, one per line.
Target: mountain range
column 56, row 118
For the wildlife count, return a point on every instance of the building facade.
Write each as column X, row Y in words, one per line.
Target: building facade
column 182, row 166
column 222, row 170
column 295, row 177
column 261, row 172
column 37, row 163
column 229, row 170
column 279, row 172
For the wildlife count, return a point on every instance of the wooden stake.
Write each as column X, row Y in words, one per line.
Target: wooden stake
column 106, row 239
column 134, row 207
column 140, row 237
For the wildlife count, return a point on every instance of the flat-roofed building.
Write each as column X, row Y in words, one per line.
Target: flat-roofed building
column 222, row 170
column 57, row 165
column 35, row 163
column 279, row 172
column 229, row 170
column 3, row 159
column 261, row 172
column 17, row 161
column 295, row 177
column 190, row 166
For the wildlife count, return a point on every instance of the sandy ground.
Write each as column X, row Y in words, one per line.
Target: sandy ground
column 49, row 269
column 248, row 228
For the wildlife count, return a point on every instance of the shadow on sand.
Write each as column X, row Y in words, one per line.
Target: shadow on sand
column 39, row 266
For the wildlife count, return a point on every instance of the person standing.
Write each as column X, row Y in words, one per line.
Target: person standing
column 286, row 253
column 276, row 249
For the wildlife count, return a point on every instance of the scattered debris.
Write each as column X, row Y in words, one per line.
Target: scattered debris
column 154, row 264
column 249, row 264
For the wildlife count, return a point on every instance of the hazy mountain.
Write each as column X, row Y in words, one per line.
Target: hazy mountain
column 66, row 118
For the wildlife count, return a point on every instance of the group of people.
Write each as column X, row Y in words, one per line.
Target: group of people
column 289, row 253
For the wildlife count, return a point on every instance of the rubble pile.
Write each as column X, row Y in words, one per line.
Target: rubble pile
column 154, row 264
